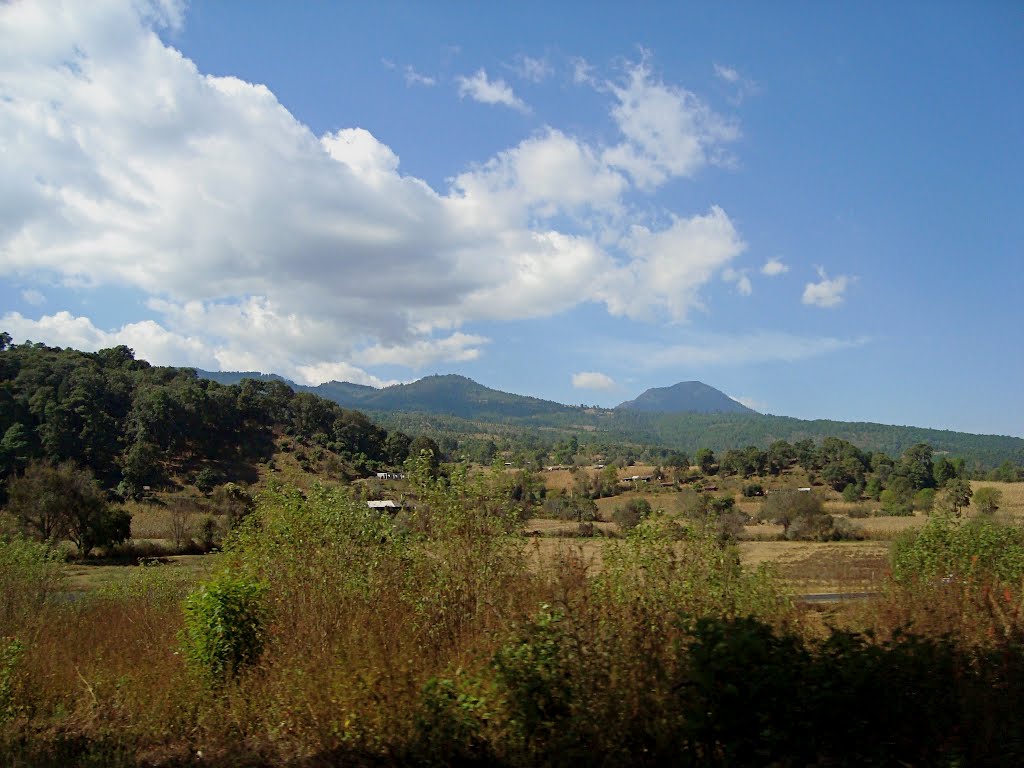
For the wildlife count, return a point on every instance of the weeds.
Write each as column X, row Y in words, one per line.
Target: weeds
column 427, row 639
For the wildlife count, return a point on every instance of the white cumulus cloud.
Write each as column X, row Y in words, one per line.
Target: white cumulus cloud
column 532, row 69
column 481, row 88
column 412, row 77
column 669, row 266
column 774, row 267
column 259, row 245
column 668, row 130
column 728, row 74
column 150, row 341
column 592, row 380
column 828, row 292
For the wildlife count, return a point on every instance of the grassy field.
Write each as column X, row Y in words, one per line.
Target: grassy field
column 1013, row 496
column 93, row 577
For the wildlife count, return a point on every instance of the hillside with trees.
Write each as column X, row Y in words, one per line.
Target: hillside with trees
column 135, row 425
column 465, row 409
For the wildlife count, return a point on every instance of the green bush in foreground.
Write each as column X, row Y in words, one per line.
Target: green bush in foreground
column 30, row 573
column 224, row 627
column 953, row 549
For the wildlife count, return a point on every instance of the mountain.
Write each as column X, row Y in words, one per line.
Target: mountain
column 686, row 416
column 685, row 397
column 450, row 395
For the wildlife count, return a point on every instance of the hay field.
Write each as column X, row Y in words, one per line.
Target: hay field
column 849, row 566
column 807, row 567
column 544, row 553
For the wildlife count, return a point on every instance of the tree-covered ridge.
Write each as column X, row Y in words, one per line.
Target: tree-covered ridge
column 134, row 424
column 464, row 408
column 448, row 394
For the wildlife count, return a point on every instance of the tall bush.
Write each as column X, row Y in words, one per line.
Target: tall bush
column 30, row 574
column 224, row 627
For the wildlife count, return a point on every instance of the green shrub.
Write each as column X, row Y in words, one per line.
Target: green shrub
column 947, row 548
column 896, row 504
column 535, row 679
column 800, row 513
column 987, row 500
column 207, row 479
column 224, row 627
column 450, row 724
column 11, row 650
column 631, row 513
column 63, row 502
column 30, row 573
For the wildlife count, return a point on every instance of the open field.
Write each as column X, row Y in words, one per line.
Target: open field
column 854, row 566
column 1012, row 504
column 849, row 566
column 562, row 479
column 90, row 577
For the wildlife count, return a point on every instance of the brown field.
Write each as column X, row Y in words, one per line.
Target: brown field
column 853, row 566
column 807, row 567
column 562, row 479
column 546, row 527
column 545, row 552
column 887, row 528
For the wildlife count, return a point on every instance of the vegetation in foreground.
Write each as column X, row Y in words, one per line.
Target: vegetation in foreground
column 330, row 634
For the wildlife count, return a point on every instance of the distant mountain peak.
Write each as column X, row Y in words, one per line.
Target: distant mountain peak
column 685, row 397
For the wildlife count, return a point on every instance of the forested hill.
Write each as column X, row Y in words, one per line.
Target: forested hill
column 134, row 424
column 690, row 431
column 449, row 394
column 459, row 407
column 685, row 397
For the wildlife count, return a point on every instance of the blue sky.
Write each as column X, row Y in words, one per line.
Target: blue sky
column 816, row 208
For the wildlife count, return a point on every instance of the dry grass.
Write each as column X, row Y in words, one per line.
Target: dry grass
column 545, row 553
column 854, row 566
column 150, row 521
column 888, row 528
column 543, row 526
column 1012, row 504
column 86, row 577
column 668, row 502
column 562, row 479
column 803, row 566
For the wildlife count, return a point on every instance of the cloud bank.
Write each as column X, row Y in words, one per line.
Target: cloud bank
column 259, row 245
